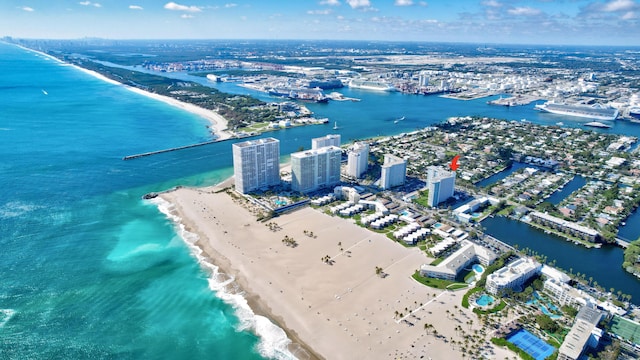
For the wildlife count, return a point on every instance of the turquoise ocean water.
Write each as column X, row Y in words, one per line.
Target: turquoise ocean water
column 89, row 270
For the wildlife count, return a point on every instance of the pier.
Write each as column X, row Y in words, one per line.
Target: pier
column 135, row 156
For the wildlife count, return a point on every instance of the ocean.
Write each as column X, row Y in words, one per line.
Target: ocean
column 89, row 269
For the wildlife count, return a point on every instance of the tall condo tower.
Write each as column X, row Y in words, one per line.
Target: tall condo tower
column 315, row 169
column 441, row 185
column 394, row 172
column 256, row 164
column 328, row 140
column 358, row 159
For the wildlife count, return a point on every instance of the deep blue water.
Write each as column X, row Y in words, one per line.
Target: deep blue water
column 603, row 265
column 576, row 183
column 89, row 269
column 501, row 175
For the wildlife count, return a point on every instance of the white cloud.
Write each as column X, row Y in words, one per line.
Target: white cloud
column 619, row 5
column 524, row 11
column 320, row 12
column 230, row 5
column 630, row 15
column 356, row 4
column 26, row 8
column 187, row 16
column 89, row 3
column 403, row 2
column 135, row 7
column 330, row 2
column 491, row 3
column 178, row 7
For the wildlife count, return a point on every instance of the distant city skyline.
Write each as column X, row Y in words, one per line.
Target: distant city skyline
column 561, row 22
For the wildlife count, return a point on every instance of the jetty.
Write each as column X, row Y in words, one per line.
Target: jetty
column 135, row 156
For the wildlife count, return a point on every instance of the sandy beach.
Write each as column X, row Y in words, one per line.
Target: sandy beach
column 337, row 311
column 218, row 124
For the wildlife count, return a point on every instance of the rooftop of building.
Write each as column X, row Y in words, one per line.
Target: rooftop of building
column 256, row 142
column 322, row 150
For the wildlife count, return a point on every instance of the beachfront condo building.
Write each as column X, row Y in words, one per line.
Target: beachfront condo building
column 441, row 184
column 256, row 164
column 584, row 333
column 315, row 169
column 394, row 172
column 451, row 267
column 357, row 160
column 328, row 140
column 512, row 276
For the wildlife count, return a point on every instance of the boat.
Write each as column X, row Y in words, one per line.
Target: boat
column 634, row 112
column 370, row 85
column 597, row 125
column 45, row 92
column 398, row 120
column 596, row 112
column 335, row 126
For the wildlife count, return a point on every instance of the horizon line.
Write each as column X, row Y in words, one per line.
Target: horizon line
column 327, row 40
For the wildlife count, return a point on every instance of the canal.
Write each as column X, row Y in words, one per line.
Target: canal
column 576, row 183
column 603, row 265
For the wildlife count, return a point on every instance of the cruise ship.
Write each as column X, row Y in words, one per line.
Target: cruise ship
column 370, row 85
column 596, row 112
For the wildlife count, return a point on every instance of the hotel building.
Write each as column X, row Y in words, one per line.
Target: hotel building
column 441, row 185
column 315, row 169
column 394, row 172
column 328, row 140
column 256, row 164
column 512, row 276
column 358, row 160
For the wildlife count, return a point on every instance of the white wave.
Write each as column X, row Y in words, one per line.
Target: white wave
column 274, row 342
column 16, row 208
column 5, row 316
column 5, row 129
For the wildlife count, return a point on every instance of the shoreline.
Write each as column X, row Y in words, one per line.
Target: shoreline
column 330, row 311
column 217, row 123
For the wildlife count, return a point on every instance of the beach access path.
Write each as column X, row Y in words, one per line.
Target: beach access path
column 338, row 311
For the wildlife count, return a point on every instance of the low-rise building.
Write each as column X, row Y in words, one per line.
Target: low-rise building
column 565, row 226
column 512, row 276
column 456, row 262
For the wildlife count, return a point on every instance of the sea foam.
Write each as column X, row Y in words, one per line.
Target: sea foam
column 274, row 343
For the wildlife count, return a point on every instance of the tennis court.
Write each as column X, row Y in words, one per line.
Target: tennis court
column 531, row 344
column 626, row 329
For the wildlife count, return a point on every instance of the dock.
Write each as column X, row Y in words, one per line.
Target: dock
column 135, row 156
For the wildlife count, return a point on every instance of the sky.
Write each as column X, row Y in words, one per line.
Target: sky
column 554, row 22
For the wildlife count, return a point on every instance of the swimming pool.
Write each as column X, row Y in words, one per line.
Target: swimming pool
column 531, row 344
column 436, row 225
column 478, row 268
column 485, row 300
